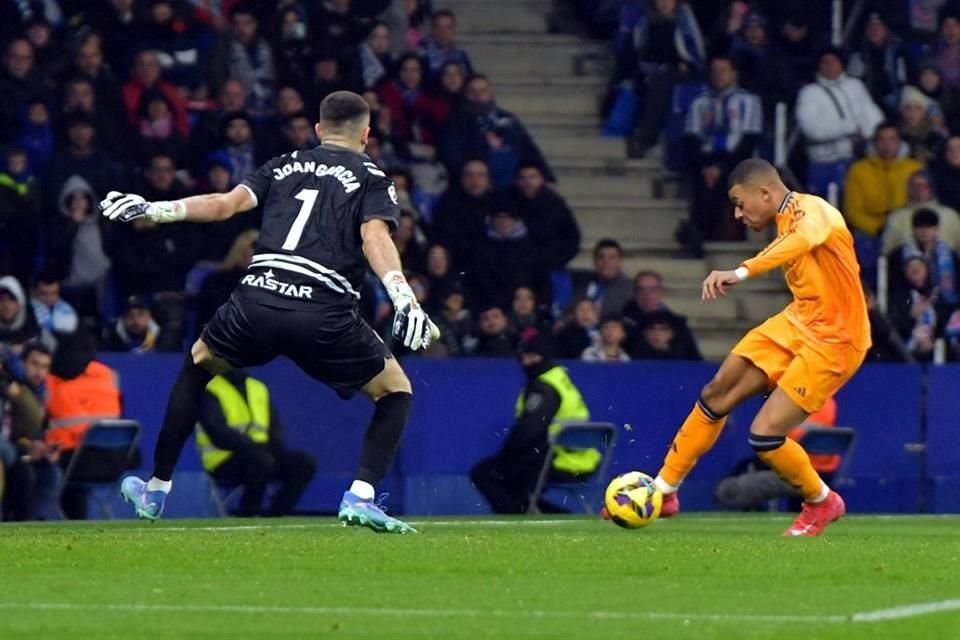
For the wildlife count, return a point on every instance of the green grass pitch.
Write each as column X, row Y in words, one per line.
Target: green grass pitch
column 695, row 577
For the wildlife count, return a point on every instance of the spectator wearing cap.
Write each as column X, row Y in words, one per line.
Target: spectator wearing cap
column 243, row 54
column 882, row 63
column 53, row 313
column 917, row 127
column 876, row 186
column 723, row 127
column 506, row 258
column 607, row 286
column 648, row 302
column 835, row 114
column 549, row 398
column 941, row 259
column 440, row 48
column 481, row 129
column 948, row 50
column 920, row 194
column 135, row 331
column 944, row 103
column 146, row 76
column 609, row 347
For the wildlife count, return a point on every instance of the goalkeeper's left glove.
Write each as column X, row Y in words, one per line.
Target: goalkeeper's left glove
column 411, row 325
column 129, row 206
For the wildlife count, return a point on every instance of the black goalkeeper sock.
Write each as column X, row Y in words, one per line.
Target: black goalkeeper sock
column 183, row 411
column 382, row 439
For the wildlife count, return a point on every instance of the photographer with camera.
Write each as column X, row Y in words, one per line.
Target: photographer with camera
column 32, row 474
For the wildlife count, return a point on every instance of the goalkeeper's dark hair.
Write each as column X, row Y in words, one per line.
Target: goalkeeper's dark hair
column 343, row 110
column 752, row 171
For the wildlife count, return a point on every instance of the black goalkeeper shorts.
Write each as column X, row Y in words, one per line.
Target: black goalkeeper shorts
column 331, row 343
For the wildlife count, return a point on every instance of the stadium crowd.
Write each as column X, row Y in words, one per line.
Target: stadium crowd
column 697, row 84
column 168, row 98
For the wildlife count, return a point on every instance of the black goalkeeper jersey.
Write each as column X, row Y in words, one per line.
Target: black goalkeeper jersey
column 313, row 204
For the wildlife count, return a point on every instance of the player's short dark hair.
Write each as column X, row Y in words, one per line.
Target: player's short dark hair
column 344, row 110
column 443, row 13
column 606, row 243
column 751, row 170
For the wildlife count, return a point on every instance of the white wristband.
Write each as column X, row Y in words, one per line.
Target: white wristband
column 167, row 211
column 742, row 273
column 397, row 286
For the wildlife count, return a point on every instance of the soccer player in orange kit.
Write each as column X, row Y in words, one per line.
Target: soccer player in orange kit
column 801, row 356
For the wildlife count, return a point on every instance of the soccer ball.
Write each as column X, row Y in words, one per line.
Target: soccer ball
column 632, row 500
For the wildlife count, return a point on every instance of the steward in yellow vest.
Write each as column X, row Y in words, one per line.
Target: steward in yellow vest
column 240, row 441
column 549, row 398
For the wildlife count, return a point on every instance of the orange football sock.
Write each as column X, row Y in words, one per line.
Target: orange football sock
column 697, row 435
column 792, row 464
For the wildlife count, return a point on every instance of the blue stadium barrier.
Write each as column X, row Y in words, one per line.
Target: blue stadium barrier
column 943, row 427
column 463, row 409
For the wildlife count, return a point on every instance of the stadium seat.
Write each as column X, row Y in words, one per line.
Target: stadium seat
column 100, row 461
column 588, row 490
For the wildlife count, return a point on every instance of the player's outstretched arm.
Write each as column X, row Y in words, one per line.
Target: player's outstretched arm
column 410, row 323
column 212, row 207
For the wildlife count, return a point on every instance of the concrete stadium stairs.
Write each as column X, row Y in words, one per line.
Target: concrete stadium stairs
column 554, row 83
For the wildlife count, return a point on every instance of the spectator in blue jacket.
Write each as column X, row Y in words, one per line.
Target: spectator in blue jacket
column 440, row 47
column 723, row 127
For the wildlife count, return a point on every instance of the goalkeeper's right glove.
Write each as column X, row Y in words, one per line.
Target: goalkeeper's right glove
column 129, row 206
column 411, row 325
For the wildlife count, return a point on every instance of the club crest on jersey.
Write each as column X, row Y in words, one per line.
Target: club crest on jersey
column 268, row 281
column 345, row 176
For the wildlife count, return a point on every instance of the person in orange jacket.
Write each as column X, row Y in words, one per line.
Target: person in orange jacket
column 80, row 391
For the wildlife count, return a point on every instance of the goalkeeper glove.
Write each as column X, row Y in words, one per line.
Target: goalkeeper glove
column 129, row 206
column 411, row 325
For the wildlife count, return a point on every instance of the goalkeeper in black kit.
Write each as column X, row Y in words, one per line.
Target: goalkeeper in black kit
column 328, row 213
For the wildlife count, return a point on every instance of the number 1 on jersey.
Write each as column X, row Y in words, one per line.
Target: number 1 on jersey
column 309, row 198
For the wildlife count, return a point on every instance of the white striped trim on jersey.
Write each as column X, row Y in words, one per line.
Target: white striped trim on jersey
column 374, row 169
column 305, row 266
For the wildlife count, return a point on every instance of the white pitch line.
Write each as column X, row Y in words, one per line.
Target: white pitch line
column 427, row 613
column 880, row 615
column 907, row 611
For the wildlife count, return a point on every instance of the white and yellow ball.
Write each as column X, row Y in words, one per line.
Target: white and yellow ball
column 632, row 500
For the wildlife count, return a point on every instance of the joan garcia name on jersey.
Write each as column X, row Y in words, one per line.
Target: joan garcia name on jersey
column 345, row 176
column 268, row 281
